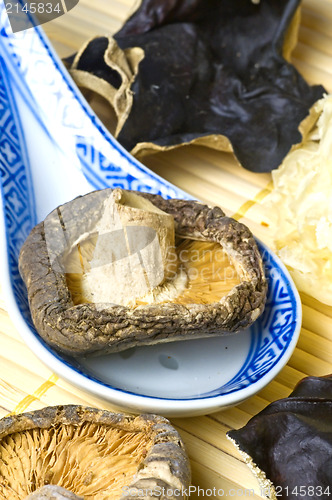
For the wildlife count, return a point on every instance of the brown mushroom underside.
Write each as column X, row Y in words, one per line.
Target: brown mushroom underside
column 99, row 328
column 91, row 453
column 50, row 492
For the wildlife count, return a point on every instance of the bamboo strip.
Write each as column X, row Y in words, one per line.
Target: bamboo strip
column 196, row 162
column 316, row 321
column 315, row 22
column 274, row 390
column 314, row 58
column 252, row 406
column 83, row 22
column 316, row 345
column 289, row 377
column 234, row 418
column 118, row 4
column 35, row 396
column 204, row 428
column 200, row 188
column 24, row 381
column 7, row 326
column 322, row 8
column 18, row 354
column 313, row 365
column 231, row 468
column 317, row 41
column 78, row 34
column 314, row 75
column 99, row 21
column 224, row 162
column 316, row 306
column 115, row 9
column 216, row 167
column 258, row 198
column 64, row 393
column 256, row 220
column 207, row 478
column 65, row 389
column 2, row 302
column 8, row 396
column 279, row 388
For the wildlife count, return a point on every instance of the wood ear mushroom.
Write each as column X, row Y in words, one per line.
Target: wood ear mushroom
column 288, row 445
column 204, row 72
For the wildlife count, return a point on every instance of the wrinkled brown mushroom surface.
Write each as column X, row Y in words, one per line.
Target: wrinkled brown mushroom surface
column 288, row 445
column 51, row 492
column 171, row 309
column 81, row 452
column 209, row 72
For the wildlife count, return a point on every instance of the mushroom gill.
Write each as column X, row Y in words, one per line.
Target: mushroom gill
column 91, row 460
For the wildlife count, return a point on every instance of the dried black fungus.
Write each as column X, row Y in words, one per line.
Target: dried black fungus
column 210, row 72
column 80, row 309
column 288, row 445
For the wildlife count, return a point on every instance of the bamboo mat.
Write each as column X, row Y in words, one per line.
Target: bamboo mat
column 26, row 384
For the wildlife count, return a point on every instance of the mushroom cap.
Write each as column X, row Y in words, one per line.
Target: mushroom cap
column 50, row 492
column 101, row 328
column 90, row 453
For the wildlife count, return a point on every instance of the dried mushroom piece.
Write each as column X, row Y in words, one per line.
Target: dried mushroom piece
column 103, row 274
column 51, row 492
column 73, row 452
column 299, row 209
column 208, row 72
column 288, row 445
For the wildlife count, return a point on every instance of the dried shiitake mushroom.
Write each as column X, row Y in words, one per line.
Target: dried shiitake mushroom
column 209, row 72
column 74, row 452
column 50, row 492
column 114, row 269
column 288, row 445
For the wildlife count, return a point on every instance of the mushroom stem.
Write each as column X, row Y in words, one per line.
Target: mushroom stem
column 134, row 252
column 53, row 492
